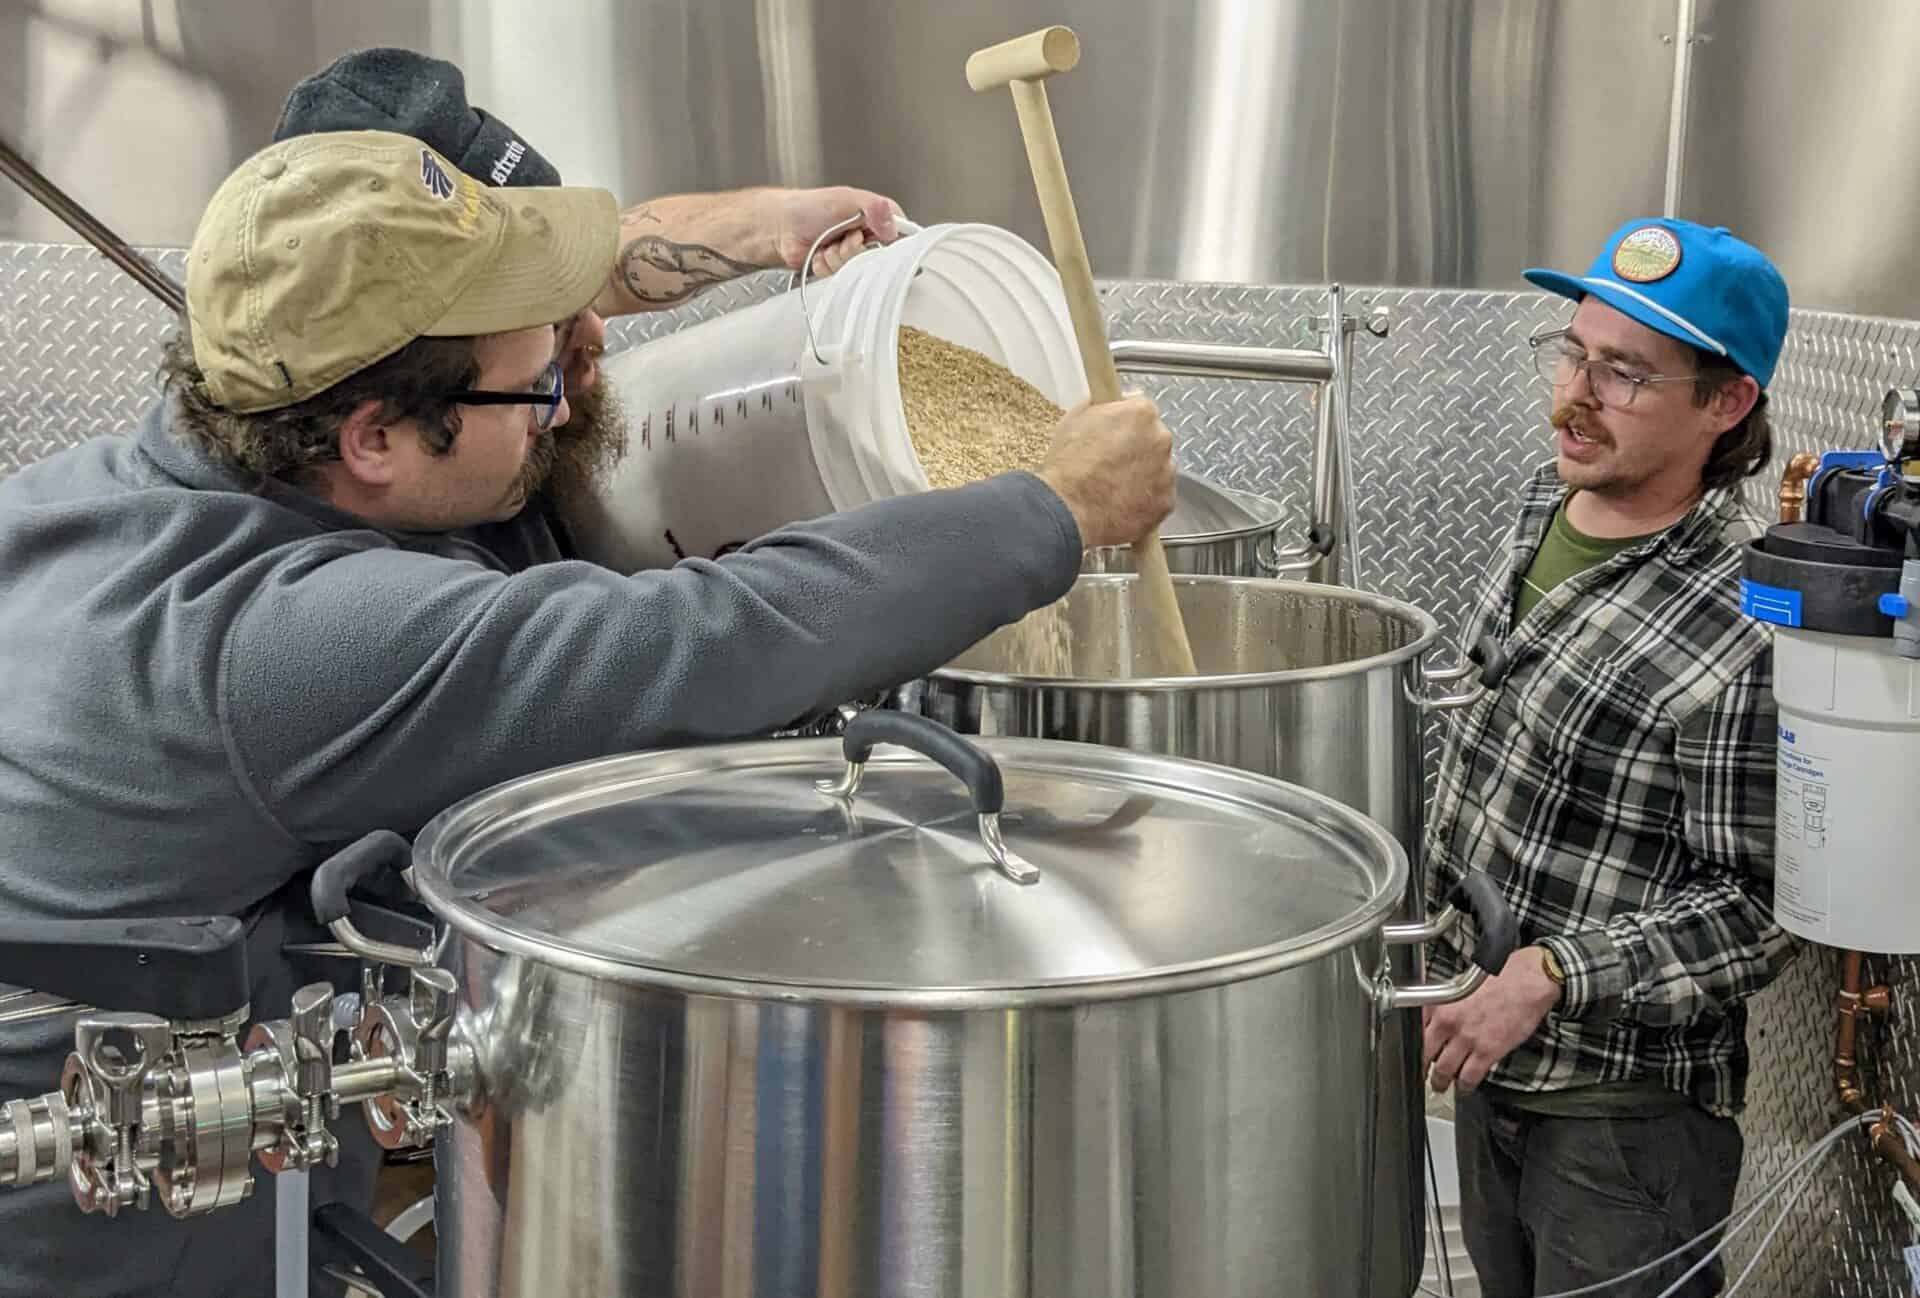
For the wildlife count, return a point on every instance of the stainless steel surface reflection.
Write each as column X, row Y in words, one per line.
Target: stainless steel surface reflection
column 1213, row 531
column 656, row 1116
column 1245, row 140
column 723, row 868
column 1209, row 1142
column 1312, row 684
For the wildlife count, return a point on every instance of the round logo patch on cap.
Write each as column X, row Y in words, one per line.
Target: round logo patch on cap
column 1647, row 254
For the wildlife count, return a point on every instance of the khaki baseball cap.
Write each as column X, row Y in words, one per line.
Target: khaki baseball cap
column 326, row 253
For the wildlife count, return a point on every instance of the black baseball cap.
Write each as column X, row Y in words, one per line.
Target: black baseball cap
column 398, row 90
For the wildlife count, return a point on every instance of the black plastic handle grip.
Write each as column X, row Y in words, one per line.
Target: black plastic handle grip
column 193, row 967
column 930, row 739
column 1480, row 896
column 381, row 850
column 1490, row 656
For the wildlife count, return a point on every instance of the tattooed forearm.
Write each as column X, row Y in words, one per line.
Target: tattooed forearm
column 660, row 272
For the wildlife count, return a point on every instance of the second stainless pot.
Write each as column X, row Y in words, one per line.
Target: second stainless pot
column 1321, row 686
column 1213, row 530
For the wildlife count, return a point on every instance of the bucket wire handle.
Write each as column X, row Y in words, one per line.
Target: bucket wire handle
column 904, row 226
column 807, row 265
column 931, row 739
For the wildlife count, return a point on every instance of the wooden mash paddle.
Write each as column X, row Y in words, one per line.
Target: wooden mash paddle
column 1022, row 66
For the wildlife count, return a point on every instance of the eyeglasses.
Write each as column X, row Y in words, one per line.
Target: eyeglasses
column 1559, row 361
column 548, row 391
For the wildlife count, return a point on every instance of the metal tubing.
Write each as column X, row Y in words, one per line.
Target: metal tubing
column 1421, row 933
column 365, row 1078
column 1221, row 361
column 1677, row 113
column 379, row 952
column 19, row 1005
column 1345, row 558
column 89, row 227
column 1456, row 988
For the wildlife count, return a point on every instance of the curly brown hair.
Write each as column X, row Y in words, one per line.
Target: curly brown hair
column 1744, row 449
column 293, row 441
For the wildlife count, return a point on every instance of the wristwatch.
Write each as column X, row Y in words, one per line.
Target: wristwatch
column 1551, row 964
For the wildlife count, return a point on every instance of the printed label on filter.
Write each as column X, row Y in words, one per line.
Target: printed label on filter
column 1804, row 821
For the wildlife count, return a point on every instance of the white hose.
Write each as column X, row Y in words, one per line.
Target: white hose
column 1738, row 1220
column 412, row 1221
column 291, row 1230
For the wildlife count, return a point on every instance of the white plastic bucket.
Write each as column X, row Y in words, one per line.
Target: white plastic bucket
column 740, row 424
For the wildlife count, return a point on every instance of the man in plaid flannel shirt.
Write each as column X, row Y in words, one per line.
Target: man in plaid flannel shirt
column 1617, row 782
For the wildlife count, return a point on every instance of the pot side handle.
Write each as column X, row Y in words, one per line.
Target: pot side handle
column 380, row 850
column 1487, row 654
column 1478, row 895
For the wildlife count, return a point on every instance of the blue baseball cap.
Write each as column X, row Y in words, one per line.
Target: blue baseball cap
column 1702, row 286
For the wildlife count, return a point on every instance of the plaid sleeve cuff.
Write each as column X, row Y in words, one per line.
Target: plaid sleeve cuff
column 1596, row 974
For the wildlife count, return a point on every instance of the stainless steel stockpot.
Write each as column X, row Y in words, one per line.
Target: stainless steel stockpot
column 791, row 1018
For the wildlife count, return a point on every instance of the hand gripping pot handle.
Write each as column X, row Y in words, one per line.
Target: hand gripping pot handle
column 1480, row 896
column 932, row 740
column 380, row 850
column 1475, row 894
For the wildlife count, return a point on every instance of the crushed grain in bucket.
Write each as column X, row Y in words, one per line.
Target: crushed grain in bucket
column 968, row 419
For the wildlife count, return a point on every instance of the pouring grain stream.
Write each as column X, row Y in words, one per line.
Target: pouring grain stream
column 968, row 419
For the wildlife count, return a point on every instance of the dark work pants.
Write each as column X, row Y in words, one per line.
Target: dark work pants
column 1551, row 1204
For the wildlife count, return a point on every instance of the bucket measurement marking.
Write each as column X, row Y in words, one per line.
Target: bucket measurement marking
column 677, row 419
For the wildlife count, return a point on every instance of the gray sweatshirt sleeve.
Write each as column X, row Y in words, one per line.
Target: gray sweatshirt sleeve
column 367, row 687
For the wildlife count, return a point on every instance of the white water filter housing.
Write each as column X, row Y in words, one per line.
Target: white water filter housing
column 1847, row 863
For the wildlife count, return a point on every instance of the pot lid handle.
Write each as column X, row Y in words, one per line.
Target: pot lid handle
column 932, row 740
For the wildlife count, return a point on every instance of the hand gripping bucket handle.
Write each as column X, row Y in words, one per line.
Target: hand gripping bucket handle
column 799, row 284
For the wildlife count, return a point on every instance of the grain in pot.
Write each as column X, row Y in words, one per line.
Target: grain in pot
column 969, row 419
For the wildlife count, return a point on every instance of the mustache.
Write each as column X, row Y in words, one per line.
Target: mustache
column 1574, row 417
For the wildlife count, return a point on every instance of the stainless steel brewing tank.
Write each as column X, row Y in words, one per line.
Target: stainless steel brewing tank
column 736, row 1035
column 1316, row 685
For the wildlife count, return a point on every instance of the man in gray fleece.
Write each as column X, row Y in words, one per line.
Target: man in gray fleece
column 261, row 626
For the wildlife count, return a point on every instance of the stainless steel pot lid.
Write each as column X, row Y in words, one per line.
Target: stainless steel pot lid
column 727, row 869
column 1204, row 511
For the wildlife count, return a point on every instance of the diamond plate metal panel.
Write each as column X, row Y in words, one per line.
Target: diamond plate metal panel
column 80, row 342
column 1449, row 420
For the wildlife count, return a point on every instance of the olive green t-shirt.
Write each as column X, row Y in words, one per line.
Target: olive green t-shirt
column 1565, row 552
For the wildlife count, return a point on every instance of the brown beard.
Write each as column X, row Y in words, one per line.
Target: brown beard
column 572, row 458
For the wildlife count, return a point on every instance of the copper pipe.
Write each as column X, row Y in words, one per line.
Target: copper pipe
column 1851, row 1002
column 1793, row 486
column 1888, row 1143
column 1846, row 1008
column 89, row 227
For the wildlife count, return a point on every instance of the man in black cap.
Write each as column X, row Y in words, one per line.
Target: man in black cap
column 670, row 250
